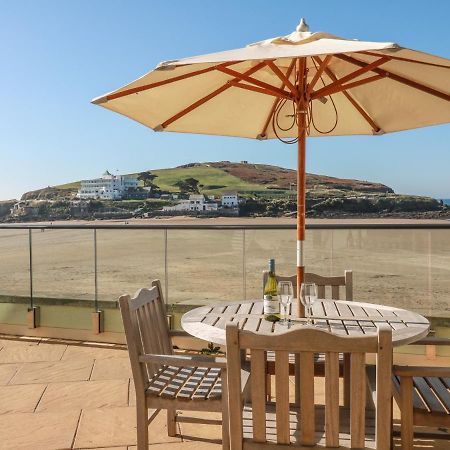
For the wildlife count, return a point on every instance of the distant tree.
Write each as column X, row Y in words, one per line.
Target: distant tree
column 188, row 186
column 147, row 178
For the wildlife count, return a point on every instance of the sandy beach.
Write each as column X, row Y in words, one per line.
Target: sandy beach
column 405, row 267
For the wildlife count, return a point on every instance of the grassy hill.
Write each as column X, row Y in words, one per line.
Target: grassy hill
column 217, row 177
column 213, row 179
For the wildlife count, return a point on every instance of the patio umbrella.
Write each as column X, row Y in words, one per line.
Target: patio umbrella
column 290, row 87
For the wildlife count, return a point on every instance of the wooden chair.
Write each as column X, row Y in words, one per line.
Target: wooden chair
column 327, row 287
column 423, row 396
column 262, row 423
column 332, row 284
column 163, row 380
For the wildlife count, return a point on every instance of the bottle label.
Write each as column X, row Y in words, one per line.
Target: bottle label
column 271, row 305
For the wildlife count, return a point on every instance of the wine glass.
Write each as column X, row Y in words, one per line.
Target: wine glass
column 308, row 295
column 285, row 295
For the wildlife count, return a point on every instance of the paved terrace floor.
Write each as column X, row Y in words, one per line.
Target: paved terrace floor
column 56, row 395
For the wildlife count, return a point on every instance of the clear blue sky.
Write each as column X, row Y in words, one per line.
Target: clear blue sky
column 57, row 55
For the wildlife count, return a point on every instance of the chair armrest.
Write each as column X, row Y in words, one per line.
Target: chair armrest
column 432, row 340
column 184, row 361
column 420, row 371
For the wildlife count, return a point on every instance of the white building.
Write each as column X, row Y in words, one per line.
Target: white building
column 108, row 187
column 230, row 200
column 196, row 202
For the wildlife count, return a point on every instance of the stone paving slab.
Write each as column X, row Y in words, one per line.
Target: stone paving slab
column 111, row 369
column 31, row 353
column 193, row 432
column 33, row 431
column 77, row 351
column 188, row 445
column 116, row 427
column 104, row 448
column 18, row 342
column 20, row 398
column 53, row 372
column 7, row 371
column 84, row 395
column 131, row 394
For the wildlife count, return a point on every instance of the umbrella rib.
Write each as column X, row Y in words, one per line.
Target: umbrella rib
column 269, row 118
column 375, row 127
column 285, row 79
column 160, row 83
column 254, row 81
column 208, row 97
column 398, row 78
column 249, row 87
column 338, row 86
column 399, row 58
column 322, row 66
column 328, row 90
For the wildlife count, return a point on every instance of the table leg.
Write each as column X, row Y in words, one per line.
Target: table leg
column 297, row 379
column 347, row 379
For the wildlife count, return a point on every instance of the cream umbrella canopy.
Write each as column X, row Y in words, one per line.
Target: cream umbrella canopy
column 290, row 87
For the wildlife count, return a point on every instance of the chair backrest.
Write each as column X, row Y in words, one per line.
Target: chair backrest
column 332, row 284
column 304, row 342
column 146, row 330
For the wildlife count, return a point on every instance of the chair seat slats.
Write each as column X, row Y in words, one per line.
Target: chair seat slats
column 417, row 400
column 162, row 379
column 440, row 390
column 446, row 381
column 177, row 382
column 428, row 395
column 207, row 383
column 187, row 383
column 191, row 385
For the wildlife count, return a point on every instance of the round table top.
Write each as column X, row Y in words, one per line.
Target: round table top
column 349, row 318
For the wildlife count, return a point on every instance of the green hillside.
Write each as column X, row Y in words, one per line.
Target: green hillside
column 213, row 180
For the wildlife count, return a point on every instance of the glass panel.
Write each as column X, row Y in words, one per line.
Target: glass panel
column 128, row 260
column 396, row 267
column 260, row 246
column 205, row 266
column 14, row 263
column 63, row 264
column 438, row 276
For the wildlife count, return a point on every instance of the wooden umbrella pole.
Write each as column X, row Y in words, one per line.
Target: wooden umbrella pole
column 301, row 177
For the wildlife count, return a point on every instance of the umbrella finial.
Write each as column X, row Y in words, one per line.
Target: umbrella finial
column 302, row 26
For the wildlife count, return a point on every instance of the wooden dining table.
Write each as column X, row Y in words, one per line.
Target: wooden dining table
column 347, row 318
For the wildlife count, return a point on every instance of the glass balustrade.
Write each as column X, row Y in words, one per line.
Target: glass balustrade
column 88, row 268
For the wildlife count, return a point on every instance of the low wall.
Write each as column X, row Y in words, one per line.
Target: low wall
column 71, row 319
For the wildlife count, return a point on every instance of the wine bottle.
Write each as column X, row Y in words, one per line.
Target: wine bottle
column 271, row 305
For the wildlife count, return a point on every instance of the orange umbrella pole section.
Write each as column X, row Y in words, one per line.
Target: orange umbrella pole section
column 302, row 105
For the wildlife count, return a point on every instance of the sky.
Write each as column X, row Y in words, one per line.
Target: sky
column 58, row 55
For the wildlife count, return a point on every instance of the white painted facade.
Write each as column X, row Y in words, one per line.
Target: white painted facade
column 196, row 202
column 108, row 187
column 230, row 200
